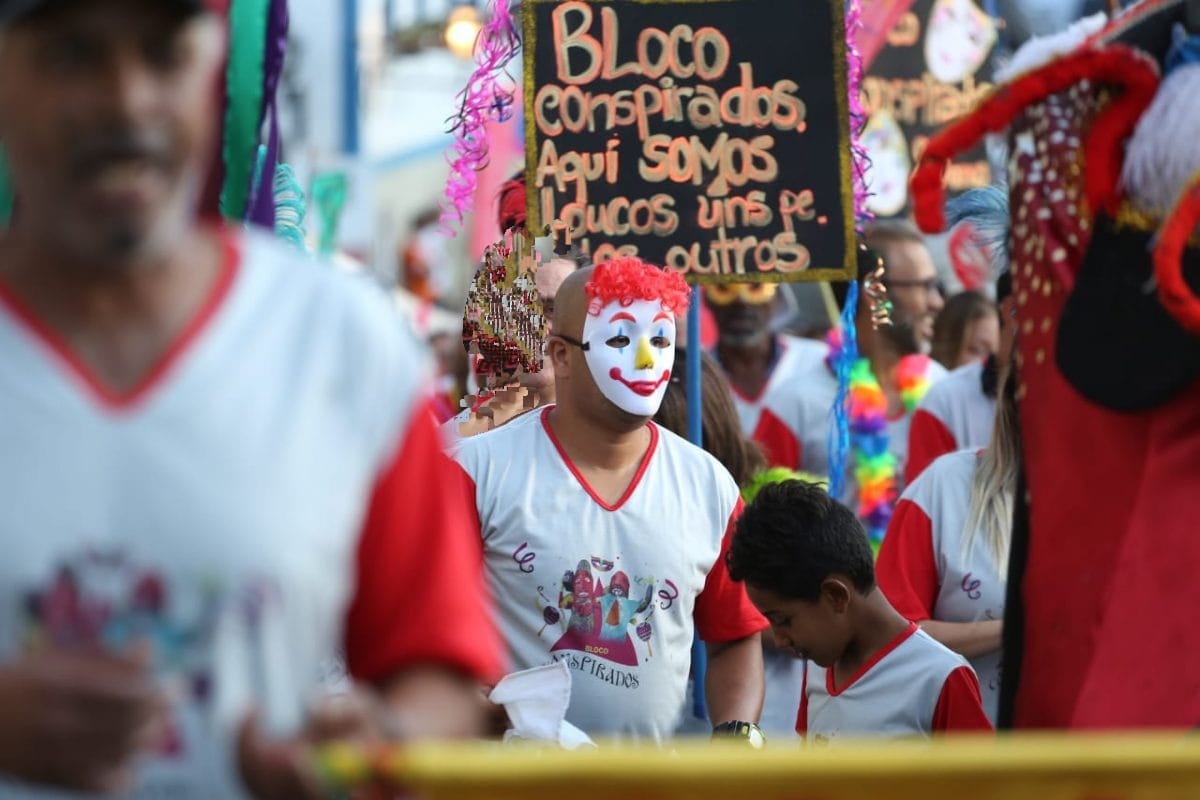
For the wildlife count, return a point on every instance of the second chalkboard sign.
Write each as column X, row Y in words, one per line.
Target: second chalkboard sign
column 711, row 137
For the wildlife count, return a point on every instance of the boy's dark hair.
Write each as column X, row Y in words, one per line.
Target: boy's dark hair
column 794, row 536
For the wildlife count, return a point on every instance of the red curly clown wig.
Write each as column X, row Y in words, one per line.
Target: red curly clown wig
column 629, row 279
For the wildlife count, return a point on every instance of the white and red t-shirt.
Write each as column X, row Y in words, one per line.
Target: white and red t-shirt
column 790, row 417
column 267, row 497
column 912, row 687
column 956, row 414
column 924, row 570
column 899, row 428
column 611, row 590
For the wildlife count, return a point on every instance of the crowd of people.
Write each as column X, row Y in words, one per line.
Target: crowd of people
column 569, row 481
column 235, row 530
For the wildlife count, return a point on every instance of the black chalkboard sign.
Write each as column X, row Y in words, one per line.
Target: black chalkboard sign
column 706, row 136
column 933, row 66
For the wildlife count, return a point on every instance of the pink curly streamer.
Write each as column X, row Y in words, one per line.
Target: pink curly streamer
column 488, row 96
column 858, row 115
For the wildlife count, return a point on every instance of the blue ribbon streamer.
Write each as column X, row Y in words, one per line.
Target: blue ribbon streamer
column 695, row 406
column 260, row 167
column 838, row 441
column 1185, row 49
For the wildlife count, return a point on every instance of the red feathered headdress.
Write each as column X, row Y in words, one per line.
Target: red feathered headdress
column 1117, row 65
column 511, row 200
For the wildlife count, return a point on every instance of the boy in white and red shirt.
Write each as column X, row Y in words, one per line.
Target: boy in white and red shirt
column 808, row 568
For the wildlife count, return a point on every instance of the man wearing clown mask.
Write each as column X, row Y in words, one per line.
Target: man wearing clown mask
column 592, row 480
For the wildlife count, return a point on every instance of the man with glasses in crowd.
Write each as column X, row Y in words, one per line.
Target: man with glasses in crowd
column 911, row 277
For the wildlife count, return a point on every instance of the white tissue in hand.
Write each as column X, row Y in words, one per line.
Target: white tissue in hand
column 536, row 701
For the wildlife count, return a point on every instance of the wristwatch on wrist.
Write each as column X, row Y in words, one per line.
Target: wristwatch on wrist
column 738, row 730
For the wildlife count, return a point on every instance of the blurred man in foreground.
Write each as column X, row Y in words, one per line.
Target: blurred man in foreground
column 209, row 449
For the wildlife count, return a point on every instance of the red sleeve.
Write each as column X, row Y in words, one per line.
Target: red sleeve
column 723, row 612
column 802, row 714
column 928, row 438
column 906, row 569
column 779, row 445
column 421, row 596
column 959, row 706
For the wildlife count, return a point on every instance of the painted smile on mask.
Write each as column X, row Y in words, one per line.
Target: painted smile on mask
column 644, row 388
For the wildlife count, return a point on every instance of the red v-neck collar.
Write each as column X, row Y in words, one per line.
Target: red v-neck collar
column 633, row 484
column 872, row 661
column 124, row 401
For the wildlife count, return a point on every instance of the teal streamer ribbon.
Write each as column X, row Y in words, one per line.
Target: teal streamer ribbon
column 289, row 207
column 329, row 190
column 248, row 20
column 6, row 193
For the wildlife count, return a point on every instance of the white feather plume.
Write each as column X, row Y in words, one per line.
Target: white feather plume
column 1164, row 151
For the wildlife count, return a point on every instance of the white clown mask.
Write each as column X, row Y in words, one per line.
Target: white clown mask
column 630, row 350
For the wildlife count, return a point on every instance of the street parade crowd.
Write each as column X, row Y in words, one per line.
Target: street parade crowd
column 241, row 523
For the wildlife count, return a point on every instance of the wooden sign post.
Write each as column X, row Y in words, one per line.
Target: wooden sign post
column 711, row 137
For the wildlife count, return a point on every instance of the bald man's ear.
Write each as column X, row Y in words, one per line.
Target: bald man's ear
column 559, row 353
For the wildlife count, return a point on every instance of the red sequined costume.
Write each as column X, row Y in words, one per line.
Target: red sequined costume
column 1105, row 547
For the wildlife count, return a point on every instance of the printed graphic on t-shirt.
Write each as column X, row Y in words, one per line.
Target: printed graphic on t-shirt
column 601, row 612
column 605, row 620
column 104, row 599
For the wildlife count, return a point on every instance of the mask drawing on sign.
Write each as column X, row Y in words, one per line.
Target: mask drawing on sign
column 958, row 41
column 888, row 165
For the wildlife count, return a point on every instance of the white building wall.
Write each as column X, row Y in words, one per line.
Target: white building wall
column 400, row 168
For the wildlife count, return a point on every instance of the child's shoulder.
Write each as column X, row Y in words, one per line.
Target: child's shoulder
column 926, row 649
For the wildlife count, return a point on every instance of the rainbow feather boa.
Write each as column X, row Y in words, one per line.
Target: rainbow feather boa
column 874, row 463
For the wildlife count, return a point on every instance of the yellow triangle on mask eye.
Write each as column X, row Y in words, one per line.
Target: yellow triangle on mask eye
column 645, row 355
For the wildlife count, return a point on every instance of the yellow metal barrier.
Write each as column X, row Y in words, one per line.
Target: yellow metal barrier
column 1026, row 767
